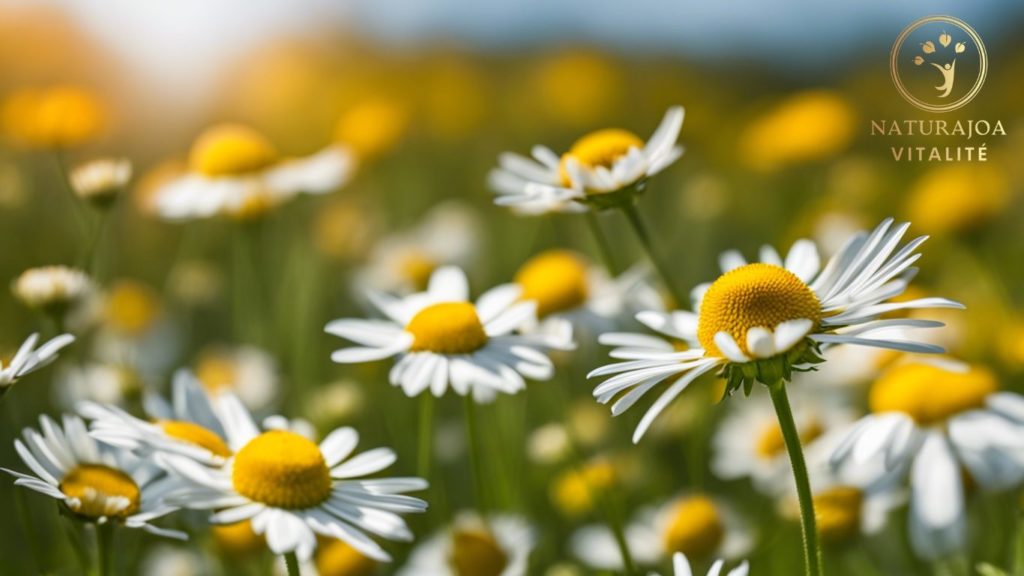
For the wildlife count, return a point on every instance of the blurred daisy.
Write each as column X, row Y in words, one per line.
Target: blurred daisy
column 100, row 382
column 449, row 234
column 235, row 171
column 442, row 340
column 696, row 525
column 188, row 426
column 578, row 490
column 97, row 483
column 681, row 567
column 163, row 560
column 28, row 359
column 749, row 444
column 500, row 546
column 55, row 117
column 336, row 558
column 761, row 321
column 932, row 424
column 293, row 490
column 53, row 289
column 246, row 372
column 99, row 182
column 599, row 164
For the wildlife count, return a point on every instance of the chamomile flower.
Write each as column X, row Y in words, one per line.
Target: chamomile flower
column 749, row 444
column 760, row 321
column 29, row 358
column 596, row 168
column 441, row 340
column 681, row 567
column 101, row 181
column 235, row 171
column 188, row 426
column 97, row 483
column 247, row 372
column 694, row 524
column 931, row 423
column 499, row 546
column 293, row 490
column 53, row 289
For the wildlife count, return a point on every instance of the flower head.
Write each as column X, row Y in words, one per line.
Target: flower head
column 28, row 359
column 498, row 546
column 101, row 181
column 52, row 288
column 56, row 117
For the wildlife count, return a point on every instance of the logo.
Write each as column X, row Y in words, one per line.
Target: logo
column 938, row 63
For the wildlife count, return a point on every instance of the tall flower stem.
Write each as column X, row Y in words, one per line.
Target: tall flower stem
column 475, row 457
column 291, row 562
column 104, row 548
column 603, row 248
column 812, row 548
column 636, row 221
column 426, row 435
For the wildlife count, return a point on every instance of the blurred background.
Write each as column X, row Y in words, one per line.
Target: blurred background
column 778, row 96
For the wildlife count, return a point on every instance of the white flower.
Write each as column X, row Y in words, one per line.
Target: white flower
column 53, row 287
column 293, row 490
column 784, row 311
column 681, row 567
column 602, row 162
column 248, row 372
column 100, row 181
column 499, row 546
column 235, row 171
column 930, row 423
column 28, row 358
column 694, row 524
column 97, row 483
column 442, row 340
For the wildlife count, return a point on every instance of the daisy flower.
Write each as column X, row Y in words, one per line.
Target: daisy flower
column 28, row 359
column 247, row 372
column 748, row 443
column 52, row 288
column 681, row 567
column 100, row 181
column 500, row 546
column 696, row 525
column 593, row 172
column 235, row 171
column 97, row 483
column 188, row 426
column 442, row 340
column 760, row 321
column 932, row 424
column 292, row 490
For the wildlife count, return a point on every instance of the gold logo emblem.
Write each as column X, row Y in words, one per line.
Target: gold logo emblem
column 938, row 63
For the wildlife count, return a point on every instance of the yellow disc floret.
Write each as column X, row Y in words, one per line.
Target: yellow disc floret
column 131, row 307
column 217, row 372
column 476, row 553
column 231, row 150
column 282, row 469
column 197, row 435
column 694, row 527
column 837, row 511
column 336, row 558
column 771, row 443
column 754, row 295
column 447, row 328
column 577, row 491
column 100, row 491
column 416, row 266
column 600, row 148
column 556, row 280
column 930, row 394
column 238, row 539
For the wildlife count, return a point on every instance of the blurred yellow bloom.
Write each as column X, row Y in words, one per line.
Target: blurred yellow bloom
column 957, row 198
column 805, row 127
column 929, row 393
column 372, row 127
column 578, row 88
column 237, row 540
column 557, row 280
column 837, row 511
column 342, row 229
column 694, row 527
column 475, row 551
column 131, row 307
column 53, row 118
column 577, row 491
column 1011, row 349
column 336, row 558
column 231, row 150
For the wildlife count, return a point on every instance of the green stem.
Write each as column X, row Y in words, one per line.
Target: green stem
column 76, row 205
column 291, row 562
column 426, row 437
column 475, row 457
column 603, row 248
column 78, row 547
column 619, row 533
column 812, row 548
column 645, row 240
column 29, row 528
column 104, row 548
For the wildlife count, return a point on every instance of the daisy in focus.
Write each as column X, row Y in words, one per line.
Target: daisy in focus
column 441, row 340
column 681, row 567
column 235, row 171
column 932, row 424
column 500, row 546
column 293, row 490
column 97, row 483
column 593, row 172
column 761, row 321
column 696, row 525
column 28, row 359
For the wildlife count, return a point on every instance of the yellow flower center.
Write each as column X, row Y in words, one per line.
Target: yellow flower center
column 336, row 558
column 476, row 553
column 837, row 511
column 556, row 280
column 694, row 528
column 101, row 491
column 238, row 539
column 131, row 307
column 372, row 127
column 231, row 150
column 600, row 148
column 447, row 328
column 197, row 435
column 416, row 267
column 930, row 394
column 754, row 295
column 771, row 443
column 56, row 117
column 283, row 470
column 576, row 491
column 217, row 372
